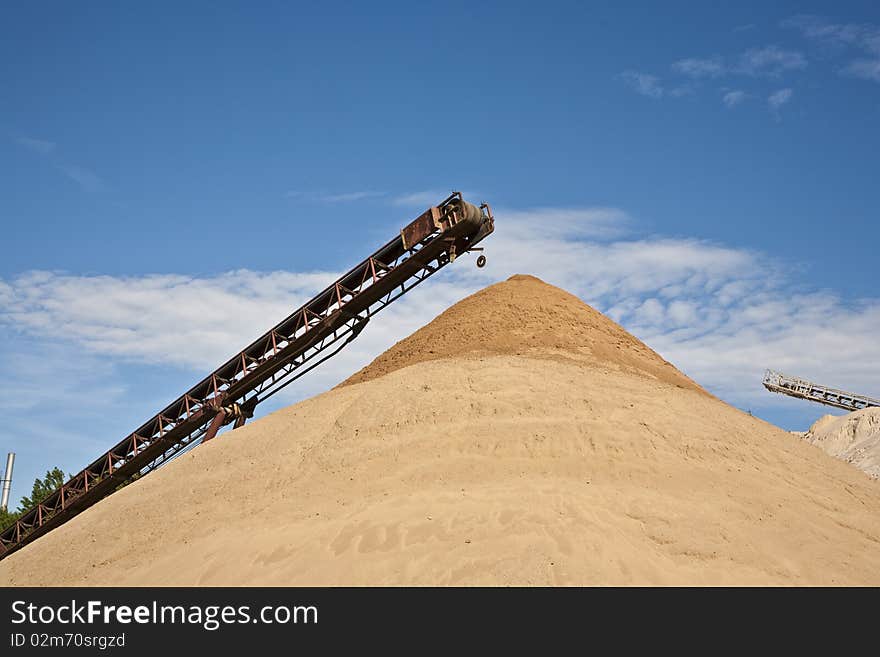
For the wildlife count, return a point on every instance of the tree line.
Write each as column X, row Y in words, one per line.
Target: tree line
column 42, row 487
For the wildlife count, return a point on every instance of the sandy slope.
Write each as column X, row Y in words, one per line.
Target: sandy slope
column 525, row 316
column 544, row 465
column 854, row 438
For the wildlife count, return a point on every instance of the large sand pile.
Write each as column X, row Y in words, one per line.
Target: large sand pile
column 526, row 317
column 854, row 438
column 553, row 452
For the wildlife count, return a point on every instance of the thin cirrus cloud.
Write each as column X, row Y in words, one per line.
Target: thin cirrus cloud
column 338, row 197
column 860, row 42
column 734, row 97
column 425, row 197
column 429, row 197
column 422, row 198
column 845, row 37
column 769, row 61
column 695, row 67
column 865, row 36
column 643, row 83
column 867, row 69
column 41, row 146
column 85, row 178
column 652, row 86
column 779, row 98
column 721, row 314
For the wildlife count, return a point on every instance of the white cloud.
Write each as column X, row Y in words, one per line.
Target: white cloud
column 426, row 198
column 681, row 91
column 734, row 97
column 867, row 69
column 695, row 67
column 781, row 333
column 85, row 178
column 770, row 61
column 62, row 406
column 421, row 199
column 51, row 374
column 721, row 314
column 862, row 35
column 779, row 98
column 843, row 36
column 643, row 83
column 156, row 319
column 558, row 223
column 682, row 313
column 339, row 197
column 350, row 196
column 41, row 146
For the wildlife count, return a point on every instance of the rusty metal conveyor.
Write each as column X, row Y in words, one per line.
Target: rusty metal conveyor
column 313, row 333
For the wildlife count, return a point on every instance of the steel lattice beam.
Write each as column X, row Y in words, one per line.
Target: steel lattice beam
column 324, row 324
column 803, row 389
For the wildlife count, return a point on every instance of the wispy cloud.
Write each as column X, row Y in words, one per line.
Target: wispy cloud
column 843, row 36
column 722, row 314
column 766, row 62
column 681, row 91
column 112, row 315
column 41, row 146
column 862, row 35
column 429, row 197
column 37, row 375
column 346, row 197
column 867, row 69
column 695, row 67
column 770, row 61
column 779, row 98
column 61, row 405
column 339, row 197
column 643, row 83
column 734, row 97
column 85, row 178
column 560, row 223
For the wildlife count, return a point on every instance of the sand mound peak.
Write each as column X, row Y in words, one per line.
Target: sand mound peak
column 527, row 278
column 524, row 316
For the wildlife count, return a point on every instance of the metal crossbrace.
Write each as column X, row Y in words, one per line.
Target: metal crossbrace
column 803, row 389
column 338, row 313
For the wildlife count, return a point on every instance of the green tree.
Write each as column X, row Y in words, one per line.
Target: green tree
column 42, row 487
column 7, row 518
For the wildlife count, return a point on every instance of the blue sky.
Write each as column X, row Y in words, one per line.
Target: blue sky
column 176, row 176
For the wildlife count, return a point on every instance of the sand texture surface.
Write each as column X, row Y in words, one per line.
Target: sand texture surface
column 854, row 438
column 521, row 446
column 524, row 316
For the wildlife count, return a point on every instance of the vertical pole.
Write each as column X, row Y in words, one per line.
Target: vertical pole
column 7, row 480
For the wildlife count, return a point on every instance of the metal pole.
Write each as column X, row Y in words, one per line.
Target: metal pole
column 7, row 480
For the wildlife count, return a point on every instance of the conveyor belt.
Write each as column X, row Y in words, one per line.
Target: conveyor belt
column 314, row 332
column 803, row 389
